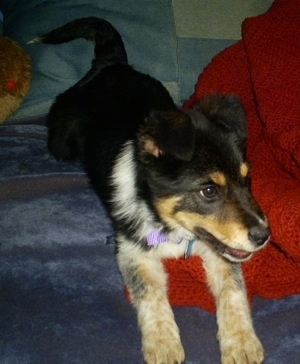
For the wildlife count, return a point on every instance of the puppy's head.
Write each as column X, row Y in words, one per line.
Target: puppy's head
column 195, row 168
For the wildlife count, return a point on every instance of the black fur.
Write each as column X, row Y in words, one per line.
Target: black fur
column 157, row 167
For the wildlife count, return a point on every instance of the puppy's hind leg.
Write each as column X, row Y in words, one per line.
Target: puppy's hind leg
column 66, row 128
column 146, row 280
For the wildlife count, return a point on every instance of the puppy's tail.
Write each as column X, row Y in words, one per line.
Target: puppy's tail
column 109, row 47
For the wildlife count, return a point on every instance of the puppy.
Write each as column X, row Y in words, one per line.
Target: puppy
column 175, row 183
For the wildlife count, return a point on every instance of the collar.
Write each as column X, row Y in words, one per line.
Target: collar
column 157, row 237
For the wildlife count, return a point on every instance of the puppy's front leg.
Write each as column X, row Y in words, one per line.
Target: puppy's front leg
column 146, row 280
column 238, row 341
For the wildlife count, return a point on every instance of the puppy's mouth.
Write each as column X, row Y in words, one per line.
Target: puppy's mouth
column 237, row 254
column 234, row 255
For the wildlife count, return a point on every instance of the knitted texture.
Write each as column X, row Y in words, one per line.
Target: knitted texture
column 263, row 69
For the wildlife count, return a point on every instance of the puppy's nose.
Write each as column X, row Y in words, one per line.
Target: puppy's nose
column 259, row 236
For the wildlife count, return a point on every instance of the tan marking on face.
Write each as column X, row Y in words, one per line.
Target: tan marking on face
column 244, row 169
column 230, row 232
column 166, row 207
column 218, row 178
column 227, row 231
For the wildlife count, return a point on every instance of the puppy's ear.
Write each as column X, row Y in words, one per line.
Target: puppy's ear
column 167, row 133
column 226, row 111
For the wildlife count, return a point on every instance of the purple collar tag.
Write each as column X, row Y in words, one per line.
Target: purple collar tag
column 156, row 237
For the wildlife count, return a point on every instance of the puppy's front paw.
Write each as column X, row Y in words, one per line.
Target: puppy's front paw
column 243, row 348
column 162, row 348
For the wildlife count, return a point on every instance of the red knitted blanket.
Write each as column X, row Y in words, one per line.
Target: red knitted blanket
column 263, row 69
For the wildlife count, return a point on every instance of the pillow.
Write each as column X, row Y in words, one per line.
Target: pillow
column 205, row 28
column 147, row 29
column 170, row 40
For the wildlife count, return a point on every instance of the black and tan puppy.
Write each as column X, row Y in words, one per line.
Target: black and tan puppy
column 175, row 183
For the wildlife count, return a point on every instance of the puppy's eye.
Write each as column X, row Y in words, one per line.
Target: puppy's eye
column 209, row 192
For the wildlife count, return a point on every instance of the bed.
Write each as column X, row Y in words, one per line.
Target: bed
column 61, row 296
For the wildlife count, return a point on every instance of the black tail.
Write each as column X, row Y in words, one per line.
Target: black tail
column 109, row 47
column 66, row 120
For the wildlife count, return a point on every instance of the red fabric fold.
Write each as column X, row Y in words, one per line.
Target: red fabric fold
column 263, row 69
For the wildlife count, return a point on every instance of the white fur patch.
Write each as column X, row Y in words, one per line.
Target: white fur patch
column 126, row 204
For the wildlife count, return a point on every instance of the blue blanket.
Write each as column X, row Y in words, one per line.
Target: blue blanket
column 61, row 295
